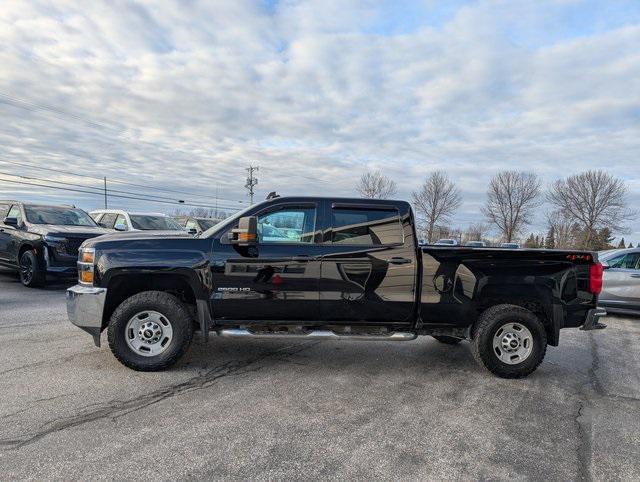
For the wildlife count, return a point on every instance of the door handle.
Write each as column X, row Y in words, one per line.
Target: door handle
column 397, row 260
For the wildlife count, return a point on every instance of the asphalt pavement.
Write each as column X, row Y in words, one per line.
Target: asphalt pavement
column 282, row 409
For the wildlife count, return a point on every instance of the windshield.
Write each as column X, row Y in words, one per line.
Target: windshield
column 225, row 222
column 58, row 215
column 147, row 222
column 207, row 223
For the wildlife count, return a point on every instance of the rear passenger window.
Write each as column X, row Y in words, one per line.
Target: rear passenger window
column 108, row 220
column 370, row 227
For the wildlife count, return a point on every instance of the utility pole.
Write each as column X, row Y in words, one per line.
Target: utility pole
column 251, row 180
column 105, row 192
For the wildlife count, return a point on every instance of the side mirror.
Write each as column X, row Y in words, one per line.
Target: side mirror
column 193, row 231
column 605, row 265
column 11, row 222
column 120, row 227
column 246, row 234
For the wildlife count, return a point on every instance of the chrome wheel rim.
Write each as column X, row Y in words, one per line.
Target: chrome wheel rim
column 26, row 269
column 512, row 343
column 148, row 333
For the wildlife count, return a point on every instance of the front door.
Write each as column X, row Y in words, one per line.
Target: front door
column 276, row 280
column 621, row 281
column 369, row 266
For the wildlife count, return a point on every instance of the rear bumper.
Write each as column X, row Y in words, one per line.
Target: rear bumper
column 592, row 321
column 85, row 305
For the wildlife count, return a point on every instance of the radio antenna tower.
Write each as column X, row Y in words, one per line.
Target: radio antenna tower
column 251, row 180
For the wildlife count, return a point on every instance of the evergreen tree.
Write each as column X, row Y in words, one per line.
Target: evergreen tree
column 630, row 245
column 550, row 241
column 621, row 245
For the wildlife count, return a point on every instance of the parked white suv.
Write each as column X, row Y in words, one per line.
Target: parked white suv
column 134, row 221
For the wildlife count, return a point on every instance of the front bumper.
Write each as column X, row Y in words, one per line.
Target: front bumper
column 85, row 305
column 592, row 322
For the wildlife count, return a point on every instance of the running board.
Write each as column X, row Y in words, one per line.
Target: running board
column 316, row 335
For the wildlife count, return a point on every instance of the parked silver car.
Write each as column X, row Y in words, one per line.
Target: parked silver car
column 621, row 281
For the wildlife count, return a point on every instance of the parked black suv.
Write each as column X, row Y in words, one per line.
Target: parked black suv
column 39, row 239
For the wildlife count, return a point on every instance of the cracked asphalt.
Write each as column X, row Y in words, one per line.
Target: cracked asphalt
column 282, row 409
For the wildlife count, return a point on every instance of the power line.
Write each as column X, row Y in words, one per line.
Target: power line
column 105, row 190
column 113, row 195
column 112, row 180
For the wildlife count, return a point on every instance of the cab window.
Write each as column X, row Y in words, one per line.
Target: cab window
column 121, row 222
column 287, row 225
column 4, row 209
column 108, row 220
column 369, row 227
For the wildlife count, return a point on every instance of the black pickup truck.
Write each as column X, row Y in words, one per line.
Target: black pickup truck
column 316, row 268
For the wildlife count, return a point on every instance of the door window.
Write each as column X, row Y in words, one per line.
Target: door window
column 4, row 209
column 121, row 222
column 626, row 261
column 15, row 212
column 367, row 227
column 108, row 220
column 287, row 225
column 96, row 217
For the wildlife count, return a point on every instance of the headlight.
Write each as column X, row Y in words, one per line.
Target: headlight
column 86, row 259
column 54, row 239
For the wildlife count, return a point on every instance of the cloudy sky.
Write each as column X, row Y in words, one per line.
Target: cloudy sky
column 184, row 95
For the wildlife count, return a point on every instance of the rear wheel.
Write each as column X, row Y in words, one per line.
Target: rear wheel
column 447, row 340
column 32, row 274
column 510, row 341
column 150, row 331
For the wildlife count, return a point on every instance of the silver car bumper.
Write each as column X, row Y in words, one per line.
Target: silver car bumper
column 85, row 305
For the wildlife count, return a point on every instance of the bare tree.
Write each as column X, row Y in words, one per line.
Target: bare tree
column 563, row 229
column 511, row 201
column 376, row 185
column 436, row 201
column 594, row 200
column 476, row 232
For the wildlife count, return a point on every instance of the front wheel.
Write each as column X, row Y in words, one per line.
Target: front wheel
column 510, row 341
column 150, row 331
column 32, row 275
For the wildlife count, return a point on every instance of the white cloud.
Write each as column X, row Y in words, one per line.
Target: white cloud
column 186, row 94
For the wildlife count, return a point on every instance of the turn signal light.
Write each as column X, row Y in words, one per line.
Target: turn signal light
column 86, row 277
column 87, row 256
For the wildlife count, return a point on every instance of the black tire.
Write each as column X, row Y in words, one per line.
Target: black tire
column 447, row 340
column 171, row 309
column 488, row 326
column 32, row 274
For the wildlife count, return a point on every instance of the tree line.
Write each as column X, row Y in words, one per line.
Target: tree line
column 582, row 211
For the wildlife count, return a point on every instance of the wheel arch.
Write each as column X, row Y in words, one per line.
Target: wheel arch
column 122, row 286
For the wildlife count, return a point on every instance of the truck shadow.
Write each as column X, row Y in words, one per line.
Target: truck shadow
column 54, row 283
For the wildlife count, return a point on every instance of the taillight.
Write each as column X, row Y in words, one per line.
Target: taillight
column 595, row 278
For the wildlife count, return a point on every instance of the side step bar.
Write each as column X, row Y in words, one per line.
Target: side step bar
column 316, row 334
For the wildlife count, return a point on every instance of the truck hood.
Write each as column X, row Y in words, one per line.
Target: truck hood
column 64, row 231
column 136, row 236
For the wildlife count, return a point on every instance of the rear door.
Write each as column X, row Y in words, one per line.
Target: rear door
column 369, row 263
column 277, row 280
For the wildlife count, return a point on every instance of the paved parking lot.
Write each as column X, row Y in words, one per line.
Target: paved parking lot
column 293, row 409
